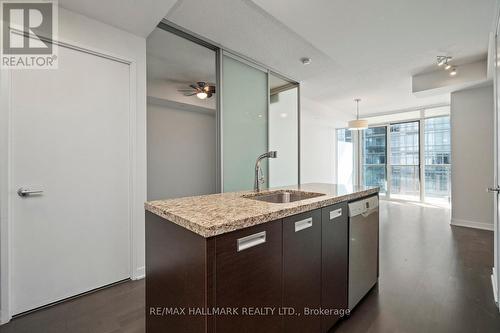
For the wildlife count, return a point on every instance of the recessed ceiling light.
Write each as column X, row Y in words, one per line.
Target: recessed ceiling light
column 305, row 61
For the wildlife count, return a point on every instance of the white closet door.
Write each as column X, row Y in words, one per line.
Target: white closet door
column 71, row 140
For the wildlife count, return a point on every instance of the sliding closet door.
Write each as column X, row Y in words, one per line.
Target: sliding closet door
column 244, row 123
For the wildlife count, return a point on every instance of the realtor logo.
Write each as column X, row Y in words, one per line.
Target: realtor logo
column 28, row 30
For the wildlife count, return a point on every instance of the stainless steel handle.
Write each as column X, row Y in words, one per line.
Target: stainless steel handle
column 335, row 213
column 303, row 224
column 251, row 241
column 24, row 192
column 494, row 189
column 369, row 212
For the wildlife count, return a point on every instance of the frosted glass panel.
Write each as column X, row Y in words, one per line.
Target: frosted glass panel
column 283, row 137
column 244, row 123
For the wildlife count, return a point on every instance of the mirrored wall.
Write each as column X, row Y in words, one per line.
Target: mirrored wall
column 181, row 116
column 210, row 114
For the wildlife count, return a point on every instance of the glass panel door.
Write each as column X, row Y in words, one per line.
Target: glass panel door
column 374, row 161
column 405, row 164
column 244, row 123
column 437, row 160
column 283, row 132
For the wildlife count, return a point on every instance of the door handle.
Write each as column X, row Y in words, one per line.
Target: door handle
column 303, row 224
column 251, row 241
column 335, row 213
column 494, row 189
column 25, row 192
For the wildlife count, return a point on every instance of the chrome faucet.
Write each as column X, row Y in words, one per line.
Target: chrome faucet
column 259, row 177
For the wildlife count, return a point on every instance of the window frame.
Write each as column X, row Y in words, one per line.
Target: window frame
column 358, row 153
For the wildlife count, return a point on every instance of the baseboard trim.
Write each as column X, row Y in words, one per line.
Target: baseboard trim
column 4, row 317
column 494, row 285
column 140, row 273
column 472, row 224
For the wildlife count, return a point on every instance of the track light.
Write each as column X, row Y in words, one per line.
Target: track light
column 443, row 60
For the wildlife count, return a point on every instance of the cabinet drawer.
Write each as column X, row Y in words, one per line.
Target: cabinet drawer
column 302, row 270
column 334, row 243
column 248, row 274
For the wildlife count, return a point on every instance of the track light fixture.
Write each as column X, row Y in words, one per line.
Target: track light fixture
column 441, row 60
column 445, row 61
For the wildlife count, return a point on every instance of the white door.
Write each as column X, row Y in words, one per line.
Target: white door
column 71, row 140
column 496, row 187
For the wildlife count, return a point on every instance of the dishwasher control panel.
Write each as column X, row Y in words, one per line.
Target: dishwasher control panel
column 363, row 205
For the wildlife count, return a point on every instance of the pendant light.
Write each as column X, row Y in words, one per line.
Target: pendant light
column 358, row 124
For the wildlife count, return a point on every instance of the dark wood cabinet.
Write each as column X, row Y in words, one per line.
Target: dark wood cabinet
column 300, row 261
column 175, row 276
column 302, row 270
column 335, row 246
column 248, row 276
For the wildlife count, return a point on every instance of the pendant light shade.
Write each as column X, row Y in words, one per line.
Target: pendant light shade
column 357, row 124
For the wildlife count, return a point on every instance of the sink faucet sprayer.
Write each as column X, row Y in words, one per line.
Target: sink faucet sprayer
column 259, row 177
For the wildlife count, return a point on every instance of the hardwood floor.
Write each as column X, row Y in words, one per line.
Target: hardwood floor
column 433, row 278
column 118, row 309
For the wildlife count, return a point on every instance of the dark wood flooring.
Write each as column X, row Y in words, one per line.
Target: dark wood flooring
column 433, row 278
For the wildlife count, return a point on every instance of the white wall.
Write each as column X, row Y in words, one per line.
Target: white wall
column 317, row 141
column 472, row 157
column 91, row 34
column 181, row 152
column 317, row 154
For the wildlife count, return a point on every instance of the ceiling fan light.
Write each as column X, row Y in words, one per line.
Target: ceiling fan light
column 453, row 71
column 202, row 95
column 448, row 66
column 357, row 124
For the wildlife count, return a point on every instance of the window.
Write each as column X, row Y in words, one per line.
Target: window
column 374, row 150
column 406, row 155
column 405, row 165
column 345, row 156
column 437, row 160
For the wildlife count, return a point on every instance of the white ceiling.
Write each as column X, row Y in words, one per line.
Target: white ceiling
column 366, row 49
column 139, row 17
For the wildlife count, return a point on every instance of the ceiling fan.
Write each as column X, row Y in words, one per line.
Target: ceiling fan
column 202, row 90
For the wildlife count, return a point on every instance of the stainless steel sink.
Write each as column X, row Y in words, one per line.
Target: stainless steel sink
column 283, row 196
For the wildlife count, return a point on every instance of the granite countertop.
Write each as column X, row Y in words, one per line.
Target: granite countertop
column 215, row 214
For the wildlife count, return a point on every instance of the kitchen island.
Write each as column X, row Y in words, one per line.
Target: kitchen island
column 250, row 262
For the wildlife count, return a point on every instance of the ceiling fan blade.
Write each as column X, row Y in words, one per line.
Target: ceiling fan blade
column 191, row 94
column 194, row 86
column 186, row 90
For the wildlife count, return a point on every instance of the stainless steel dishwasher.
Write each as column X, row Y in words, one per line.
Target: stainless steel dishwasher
column 363, row 248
